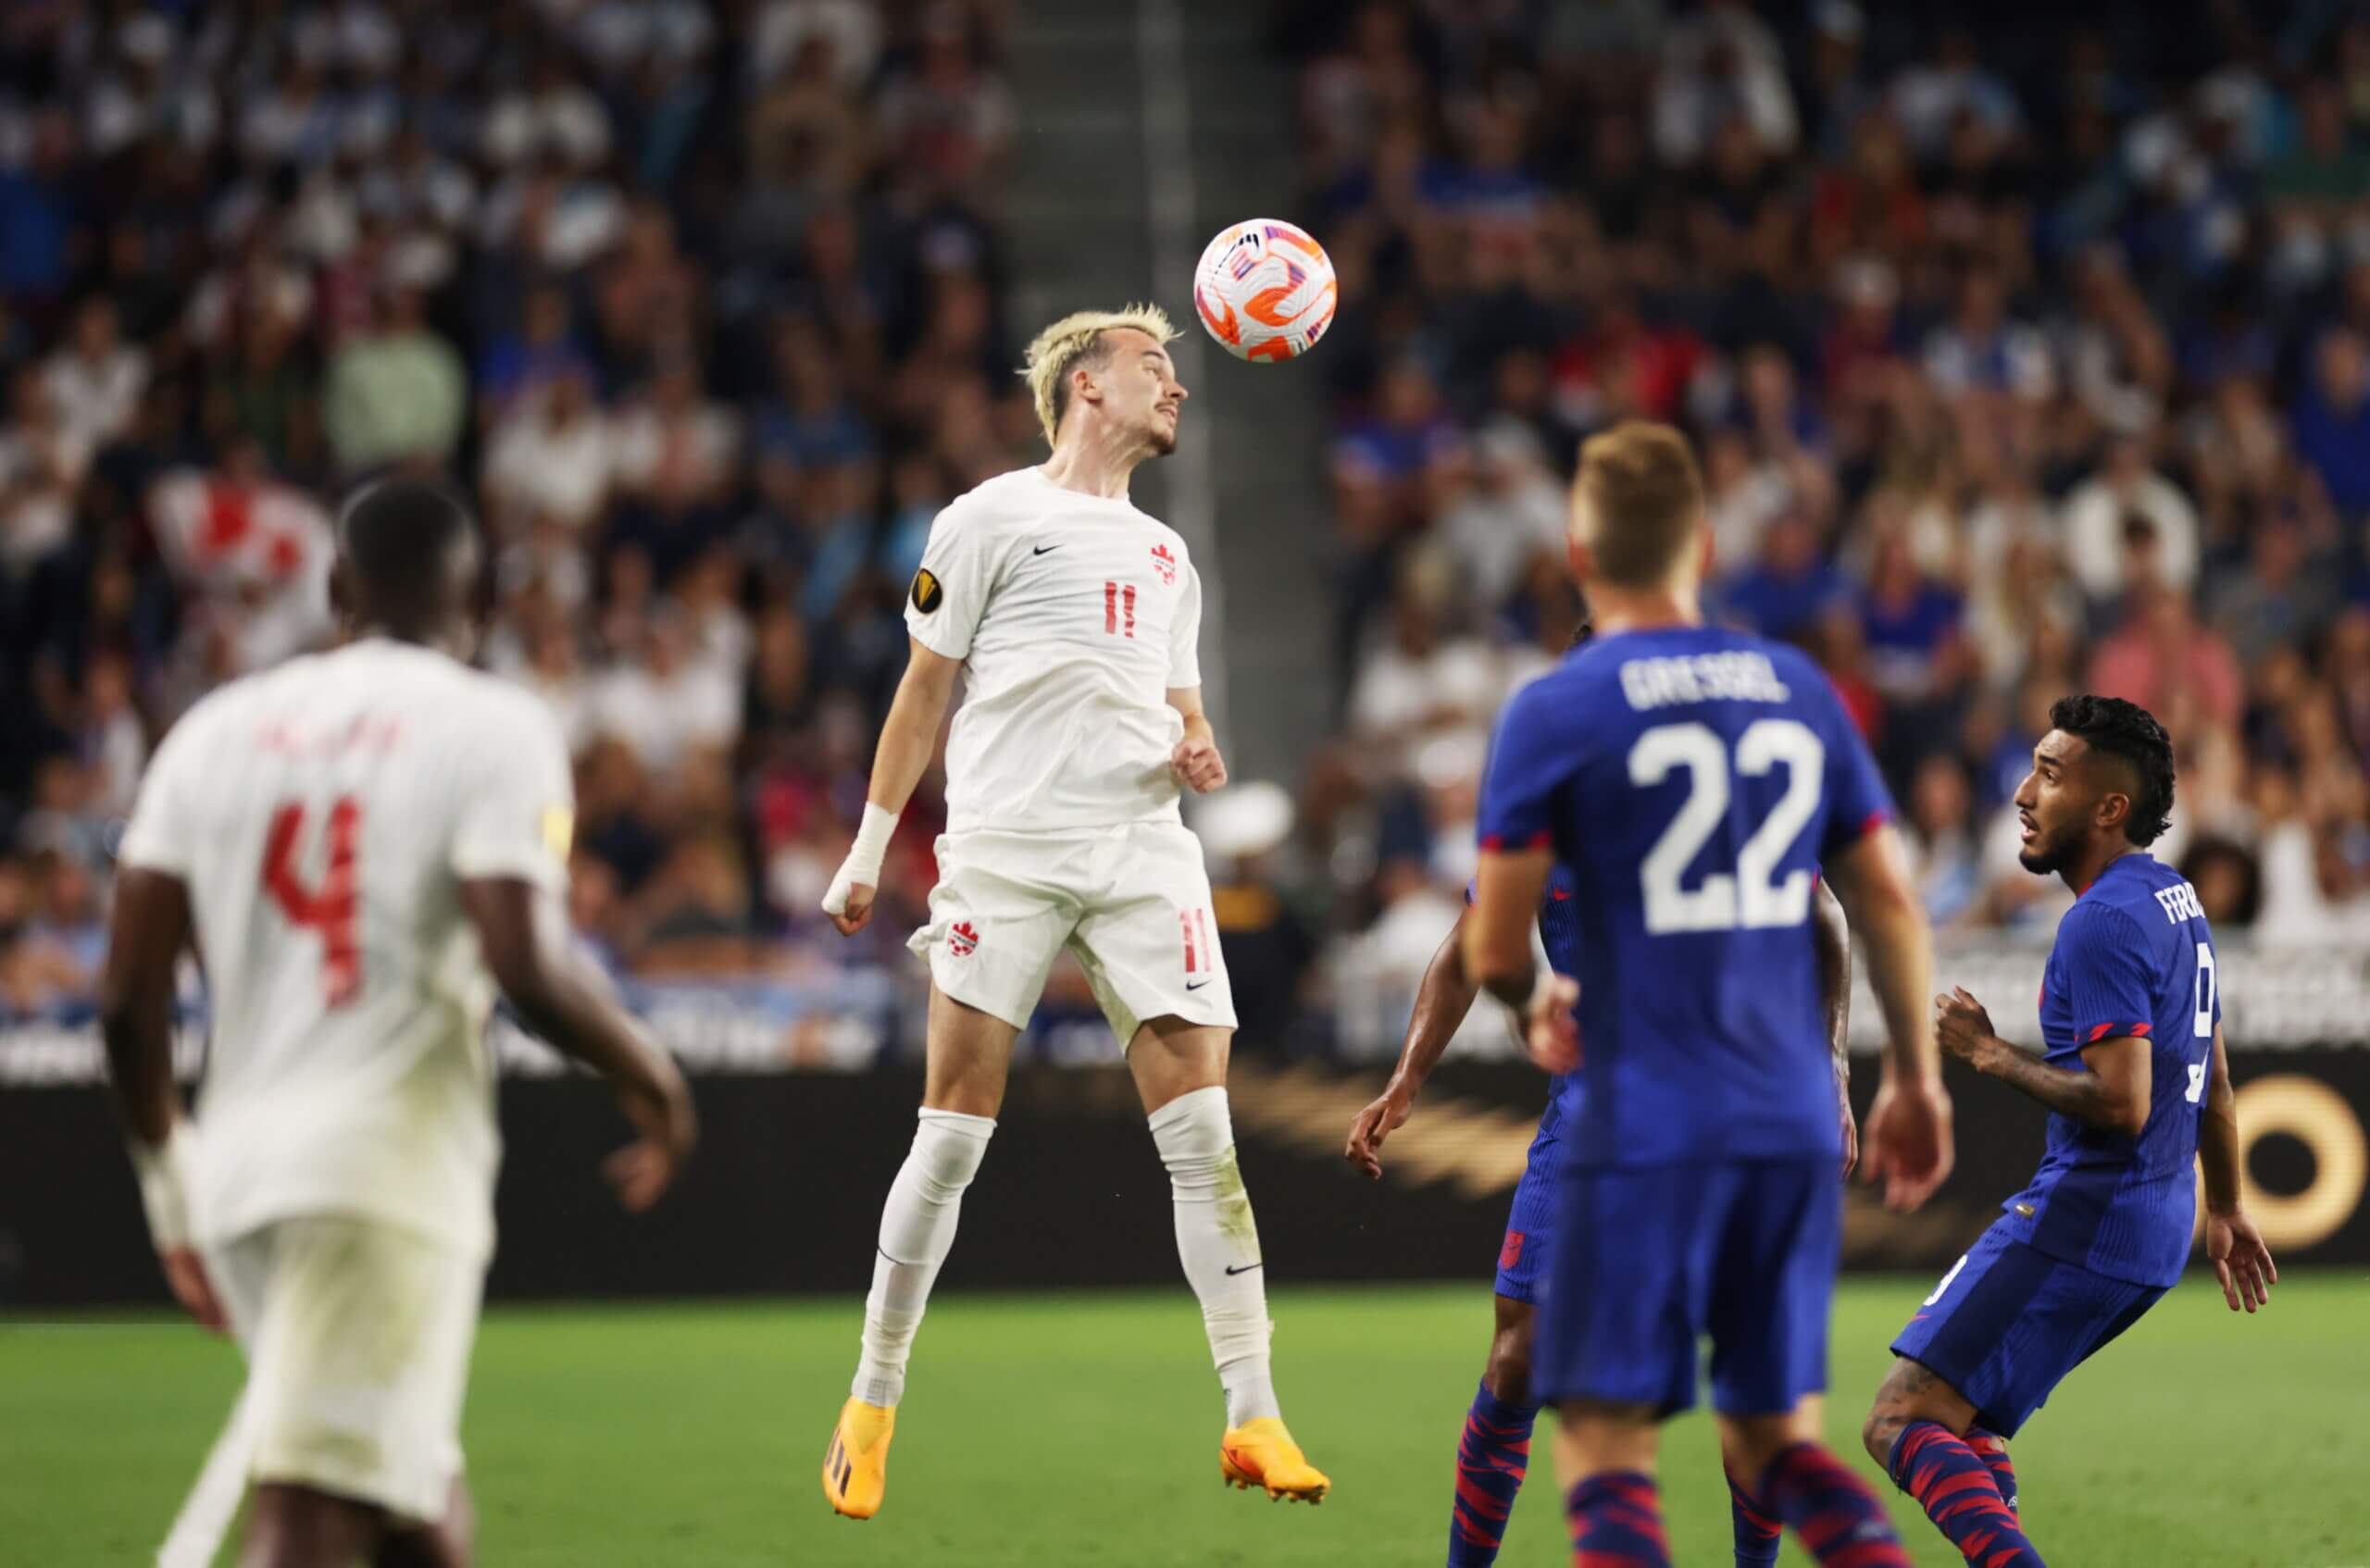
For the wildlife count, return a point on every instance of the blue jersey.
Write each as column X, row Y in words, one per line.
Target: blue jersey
column 1691, row 779
column 2134, row 956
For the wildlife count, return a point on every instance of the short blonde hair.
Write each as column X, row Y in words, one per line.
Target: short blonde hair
column 1058, row 349
column 1643, row 502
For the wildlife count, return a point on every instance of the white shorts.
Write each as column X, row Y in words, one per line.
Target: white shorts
column 1132, row 901
column 357, row 1338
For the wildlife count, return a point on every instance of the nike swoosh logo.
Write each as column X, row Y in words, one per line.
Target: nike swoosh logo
column 1245, row 1269
column 1044, row 550
column 1195, row 985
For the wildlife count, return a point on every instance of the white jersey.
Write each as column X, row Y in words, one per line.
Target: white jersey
column 1076, row 616
column 322, row 815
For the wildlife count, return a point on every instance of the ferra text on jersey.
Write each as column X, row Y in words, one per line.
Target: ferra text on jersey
column 1738, row 676
column 2181, row 903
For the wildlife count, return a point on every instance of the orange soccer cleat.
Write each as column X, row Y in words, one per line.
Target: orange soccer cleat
column 855, row 1467
column 1261, row 1453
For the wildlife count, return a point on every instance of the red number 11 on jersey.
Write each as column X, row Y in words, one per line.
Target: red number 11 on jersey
column 329, row 909
column 1117, row 597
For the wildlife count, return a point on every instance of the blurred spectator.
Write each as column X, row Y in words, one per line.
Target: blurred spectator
column 396, row 392
column 2128, row 509
column 2332, row 419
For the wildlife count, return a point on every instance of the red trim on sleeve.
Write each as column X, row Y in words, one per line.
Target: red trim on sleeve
column 2098, row 1034
column 2120, row 1032
column 2139, row 1031
column 1538, row 841
column 1877, row 819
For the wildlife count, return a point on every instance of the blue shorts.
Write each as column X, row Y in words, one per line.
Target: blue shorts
column 2007, row 1324
column 1531, row 1225
column 1741, row 1252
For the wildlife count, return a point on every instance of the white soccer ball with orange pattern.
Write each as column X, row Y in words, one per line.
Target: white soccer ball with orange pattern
column 1265, row 290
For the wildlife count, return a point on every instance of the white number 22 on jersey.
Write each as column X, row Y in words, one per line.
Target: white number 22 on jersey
column 1722, row 902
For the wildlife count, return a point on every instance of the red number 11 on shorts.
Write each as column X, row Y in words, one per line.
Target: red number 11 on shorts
column 1201, row 953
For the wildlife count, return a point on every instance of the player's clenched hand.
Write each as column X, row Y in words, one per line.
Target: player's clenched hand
column 1961, row 1024
column 854, row 911
column 2241, row 1261
column 1378, row 1121
column 1551, row 1030
column 186, row 1274
column 1908, row 1146
column 1851, row 1139
column 662, row 1109
column 1197, row 762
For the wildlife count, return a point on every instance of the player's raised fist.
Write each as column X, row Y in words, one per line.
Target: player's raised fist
column 1197, row 762
column 1960, row 1023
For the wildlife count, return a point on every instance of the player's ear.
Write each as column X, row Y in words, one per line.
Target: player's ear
column 342, row 598
column 1704, row 552
column 1583, row 560
column 2113, row 809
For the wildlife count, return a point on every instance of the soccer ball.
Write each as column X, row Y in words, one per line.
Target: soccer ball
column 1265, row 290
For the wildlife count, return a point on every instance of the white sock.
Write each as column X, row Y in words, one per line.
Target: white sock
column 1219, row 1243
column 916, row 1232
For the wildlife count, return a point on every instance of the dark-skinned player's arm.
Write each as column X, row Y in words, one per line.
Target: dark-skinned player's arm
column 522, row 930
column 1536, row 747
column 149, row 927
column 1506, row 891
column 1831, row 939
column 908, row 737
column 1907, row 1142
column 1441, row 1003
column 2112, row 1095
column 2240, row 1260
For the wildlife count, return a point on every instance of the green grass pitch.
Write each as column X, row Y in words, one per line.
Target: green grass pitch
column 1044, row 1432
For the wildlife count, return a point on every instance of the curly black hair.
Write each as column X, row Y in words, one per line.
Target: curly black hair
column 2130, row 734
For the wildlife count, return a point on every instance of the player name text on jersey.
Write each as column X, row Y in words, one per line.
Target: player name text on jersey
column 1734, row 676
column 2181, row 903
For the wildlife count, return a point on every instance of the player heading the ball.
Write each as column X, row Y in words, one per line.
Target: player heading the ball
column 1073, row 618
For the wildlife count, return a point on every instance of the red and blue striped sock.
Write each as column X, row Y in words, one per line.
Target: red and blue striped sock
column 1839, row 1520
column 1756, row 1529
column 1992, row 1449
column 1933, row 1464
column 1618, row 1522
column 1490, row 1460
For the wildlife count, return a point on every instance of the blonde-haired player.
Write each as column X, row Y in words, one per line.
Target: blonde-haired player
column 1073, row 618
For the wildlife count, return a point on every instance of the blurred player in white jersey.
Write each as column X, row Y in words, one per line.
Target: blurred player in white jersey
column 1072, row 618
column 359, row 846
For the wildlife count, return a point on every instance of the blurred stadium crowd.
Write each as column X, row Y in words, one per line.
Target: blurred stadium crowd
column 705, row 299
column 2021, row 361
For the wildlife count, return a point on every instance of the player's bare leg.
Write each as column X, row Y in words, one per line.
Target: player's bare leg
column 1180, row 1074
column 1604, row 1457
column 450, row 1542
column 1923, row 1431
column 298, row 1527
column 969, row 1055
column 1834, row 1514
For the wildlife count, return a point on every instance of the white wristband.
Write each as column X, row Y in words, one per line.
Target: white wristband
column 164, row 1186
column 863, row 864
